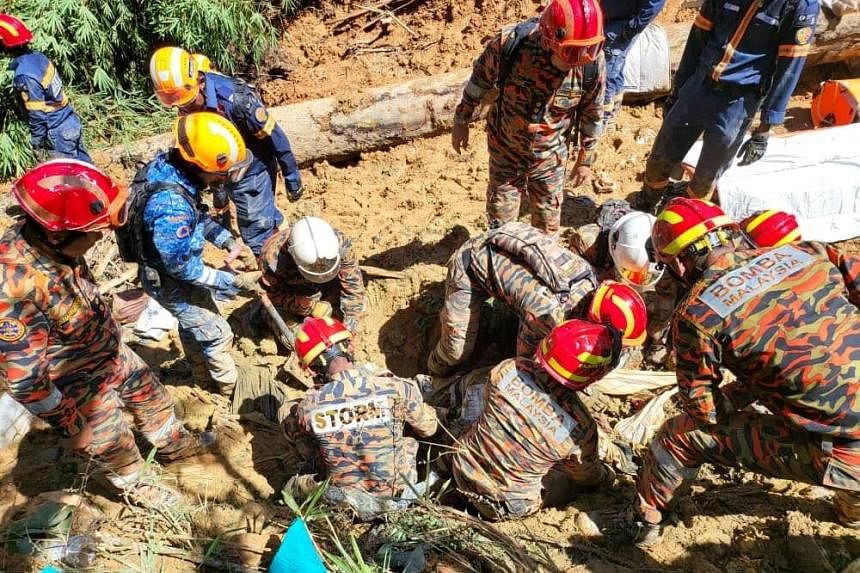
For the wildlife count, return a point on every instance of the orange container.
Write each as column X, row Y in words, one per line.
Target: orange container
column 836, row 103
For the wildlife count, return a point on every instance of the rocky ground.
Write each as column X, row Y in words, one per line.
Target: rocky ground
column 406, row 209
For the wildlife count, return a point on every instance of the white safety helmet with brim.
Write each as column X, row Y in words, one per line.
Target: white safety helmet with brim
column 631, row 250
column 315, row 249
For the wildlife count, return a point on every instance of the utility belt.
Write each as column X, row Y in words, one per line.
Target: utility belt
column 46, row 106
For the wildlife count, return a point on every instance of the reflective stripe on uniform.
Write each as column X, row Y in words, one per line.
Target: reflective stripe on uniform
column 48, row 76
column 267, row 129
column 734, row 41
column 158, row 436
column 703, row 23
column 46, row 106
column 45, row 404
column 792, row 51
column 666, row 460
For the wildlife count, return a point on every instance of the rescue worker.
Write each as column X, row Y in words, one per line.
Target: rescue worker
column 179, row 83
column 353, row 422
column 167, row 230
column 550, row 73
column 540, row 280
column 740, row 56
column 623, row 20
column 61, row 352
column 302, row 262
column 780, row 319
column 534, row 430
column 55, row 128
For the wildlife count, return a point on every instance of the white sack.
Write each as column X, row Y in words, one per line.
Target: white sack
column 814, row 174
column 15, row 421
column 155, row 321
column 640, row 428
column 623, row 382
column 647, row 69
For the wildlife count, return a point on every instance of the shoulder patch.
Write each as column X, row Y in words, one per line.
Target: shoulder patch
column 11, row 329
column 742, row 284
column 351, row 415
column 803, row 35
column 261, row 115
column 183, row 231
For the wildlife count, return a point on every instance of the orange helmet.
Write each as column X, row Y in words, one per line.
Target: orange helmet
column 836, row 103
column 578, row 353
column 13, row 32
column 70, row 195
column 688, row 223
column 771, row 228
column 212, row 143
column 622, row 307
column 573, row 30
column 174, row 76
column 320, row 340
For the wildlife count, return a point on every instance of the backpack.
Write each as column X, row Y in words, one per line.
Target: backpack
column 508, row 56
column 554, row 265
column 133, row 244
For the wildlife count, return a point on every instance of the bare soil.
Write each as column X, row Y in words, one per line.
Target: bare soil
column 407, row 209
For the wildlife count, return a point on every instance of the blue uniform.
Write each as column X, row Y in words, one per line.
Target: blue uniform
column 741, row 55
column 55, row 128
column 623, row 20
column 175, row 232
column 254, row 195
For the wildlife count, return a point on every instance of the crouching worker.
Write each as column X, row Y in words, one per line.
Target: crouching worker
column 61, row 352
column 306, row 263
column 353, row 421
column 166, row 232
column 534, row 431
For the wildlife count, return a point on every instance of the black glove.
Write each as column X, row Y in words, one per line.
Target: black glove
column 753, row 148
column 294, row 194
column 669, row 103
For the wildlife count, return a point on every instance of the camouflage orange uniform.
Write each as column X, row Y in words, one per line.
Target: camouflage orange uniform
column 294, row 294
column 529, row 426
column 488, row 266
column 63, row 359
column 356, row 422
column 540, row 110
column 781, row 321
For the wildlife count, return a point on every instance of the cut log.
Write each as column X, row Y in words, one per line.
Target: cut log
column 337, row 129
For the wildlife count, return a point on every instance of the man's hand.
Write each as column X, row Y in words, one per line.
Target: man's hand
column 249, row 281
column 753, row 148
column 81, row 441
column 460, row 136
column 580, row 175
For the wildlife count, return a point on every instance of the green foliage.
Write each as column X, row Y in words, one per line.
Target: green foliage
column 101, row 50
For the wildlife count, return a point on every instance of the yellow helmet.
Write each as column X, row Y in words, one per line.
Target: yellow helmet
column 212, row 143
column 174, row 76
column 203, row 63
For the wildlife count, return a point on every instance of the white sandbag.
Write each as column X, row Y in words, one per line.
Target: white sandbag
column 623, row 382
column 155, row 321
column 646, row 70
column 639, row 428
column 841, row 7
column 814, row 174
column 15, row 421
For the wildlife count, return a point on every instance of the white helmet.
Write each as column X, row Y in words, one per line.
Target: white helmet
column 630, row 249
column 315, row 248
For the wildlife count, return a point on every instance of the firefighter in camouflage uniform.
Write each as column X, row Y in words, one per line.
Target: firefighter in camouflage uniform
column 550, row 73
column 350, row 426
column 534, row 431
column 307, row 262
column 543, row 283
column 61, row 352
column 781, row 320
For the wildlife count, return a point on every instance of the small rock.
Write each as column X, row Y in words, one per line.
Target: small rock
column 268, row 346
column 247, row 346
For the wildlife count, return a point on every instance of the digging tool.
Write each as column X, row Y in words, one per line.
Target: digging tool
column 273, row 313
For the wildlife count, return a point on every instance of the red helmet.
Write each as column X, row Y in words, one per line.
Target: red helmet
column 316, row 336
column 622, row 307
column 771, row 228
column 685, row 223
column 13, row 32
column 573, row 30
column 70, row 195
column 578, row 353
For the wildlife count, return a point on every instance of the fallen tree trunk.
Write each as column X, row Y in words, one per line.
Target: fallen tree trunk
column 340, row 128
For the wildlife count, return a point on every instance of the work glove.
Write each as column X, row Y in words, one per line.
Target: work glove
column 669, row 103
column 294, row 194
column 321, row 309
column 249, row 281
column 753, row 148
